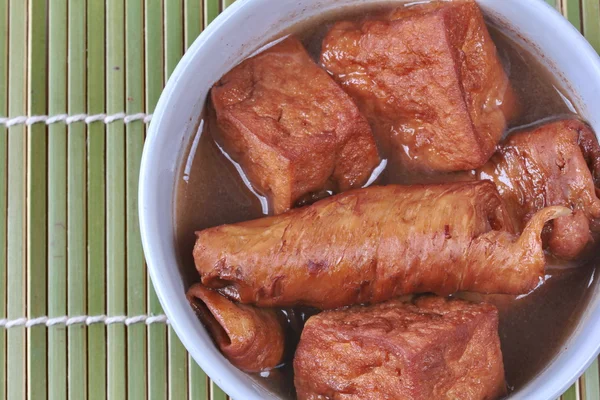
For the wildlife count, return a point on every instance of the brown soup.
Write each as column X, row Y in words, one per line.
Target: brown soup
column 533, row 328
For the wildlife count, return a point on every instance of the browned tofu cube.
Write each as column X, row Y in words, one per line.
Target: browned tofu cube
column 429, row 80
column 432, row 348
column 291, row 127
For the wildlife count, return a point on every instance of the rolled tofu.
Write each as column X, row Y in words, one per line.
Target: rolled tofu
column 251, row 338
column 429, row 349
column 373, row 244
column 429, row 80
column 554, row 164
column 292, row 129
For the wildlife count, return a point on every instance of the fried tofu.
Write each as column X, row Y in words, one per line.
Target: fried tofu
column 292, row 129
column 373, row 244
column 251, row 338
column 432, row 348
column 429, row 79
column 554, row 164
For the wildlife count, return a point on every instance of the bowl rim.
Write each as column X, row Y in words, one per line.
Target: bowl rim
column 574, row 366
column 149, row 242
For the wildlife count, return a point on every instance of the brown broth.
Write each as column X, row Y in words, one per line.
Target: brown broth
column 533, row 328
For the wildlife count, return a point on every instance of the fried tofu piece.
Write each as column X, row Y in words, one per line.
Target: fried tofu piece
column 431, row 348
column 555, row 164
column 370, row 245
column 429, row 80
column 291, row 127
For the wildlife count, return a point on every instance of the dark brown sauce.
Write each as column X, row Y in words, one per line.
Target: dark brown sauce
column 533, row 328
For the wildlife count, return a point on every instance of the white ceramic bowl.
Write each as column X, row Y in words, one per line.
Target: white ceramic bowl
column 234, row 35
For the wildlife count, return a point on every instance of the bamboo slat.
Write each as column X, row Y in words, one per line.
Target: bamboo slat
column 572, row 11
column 589, row 384
column 17, row 200
column 69, row 235
column 591, row 22
column 3, row 187
column 115, row 200
column 570, row 394
column 216, row 393
column 36, row 198
column 134, row 143
column 57, row 200
column 198, row 381
column 96, row 200
column 76, row 200
column 211, row 10
column 193, row 20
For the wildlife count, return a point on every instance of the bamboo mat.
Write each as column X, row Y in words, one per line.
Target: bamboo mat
column 69, row 240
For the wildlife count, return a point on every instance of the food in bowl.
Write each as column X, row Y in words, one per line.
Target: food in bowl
column 278, row 113
column 252, row 338
column 429, row 80
column 554, row 163
column 376, row 243
column 430, row 348
column 442, row 234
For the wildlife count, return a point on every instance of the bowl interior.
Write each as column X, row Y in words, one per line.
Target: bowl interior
column 240, row 31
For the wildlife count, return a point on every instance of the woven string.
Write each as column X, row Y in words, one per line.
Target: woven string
column 71, row 119
column 83, row 320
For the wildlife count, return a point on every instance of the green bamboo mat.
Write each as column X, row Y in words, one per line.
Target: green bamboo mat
column 69, row 240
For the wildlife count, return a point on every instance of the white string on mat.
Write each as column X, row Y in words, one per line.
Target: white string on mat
column 83, row 320
column 71, row 119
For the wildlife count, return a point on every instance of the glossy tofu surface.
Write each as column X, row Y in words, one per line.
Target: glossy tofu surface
column 553, row 164
column 429, row 80
column 370, row 245
column 291, row 127
column 432, row 348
